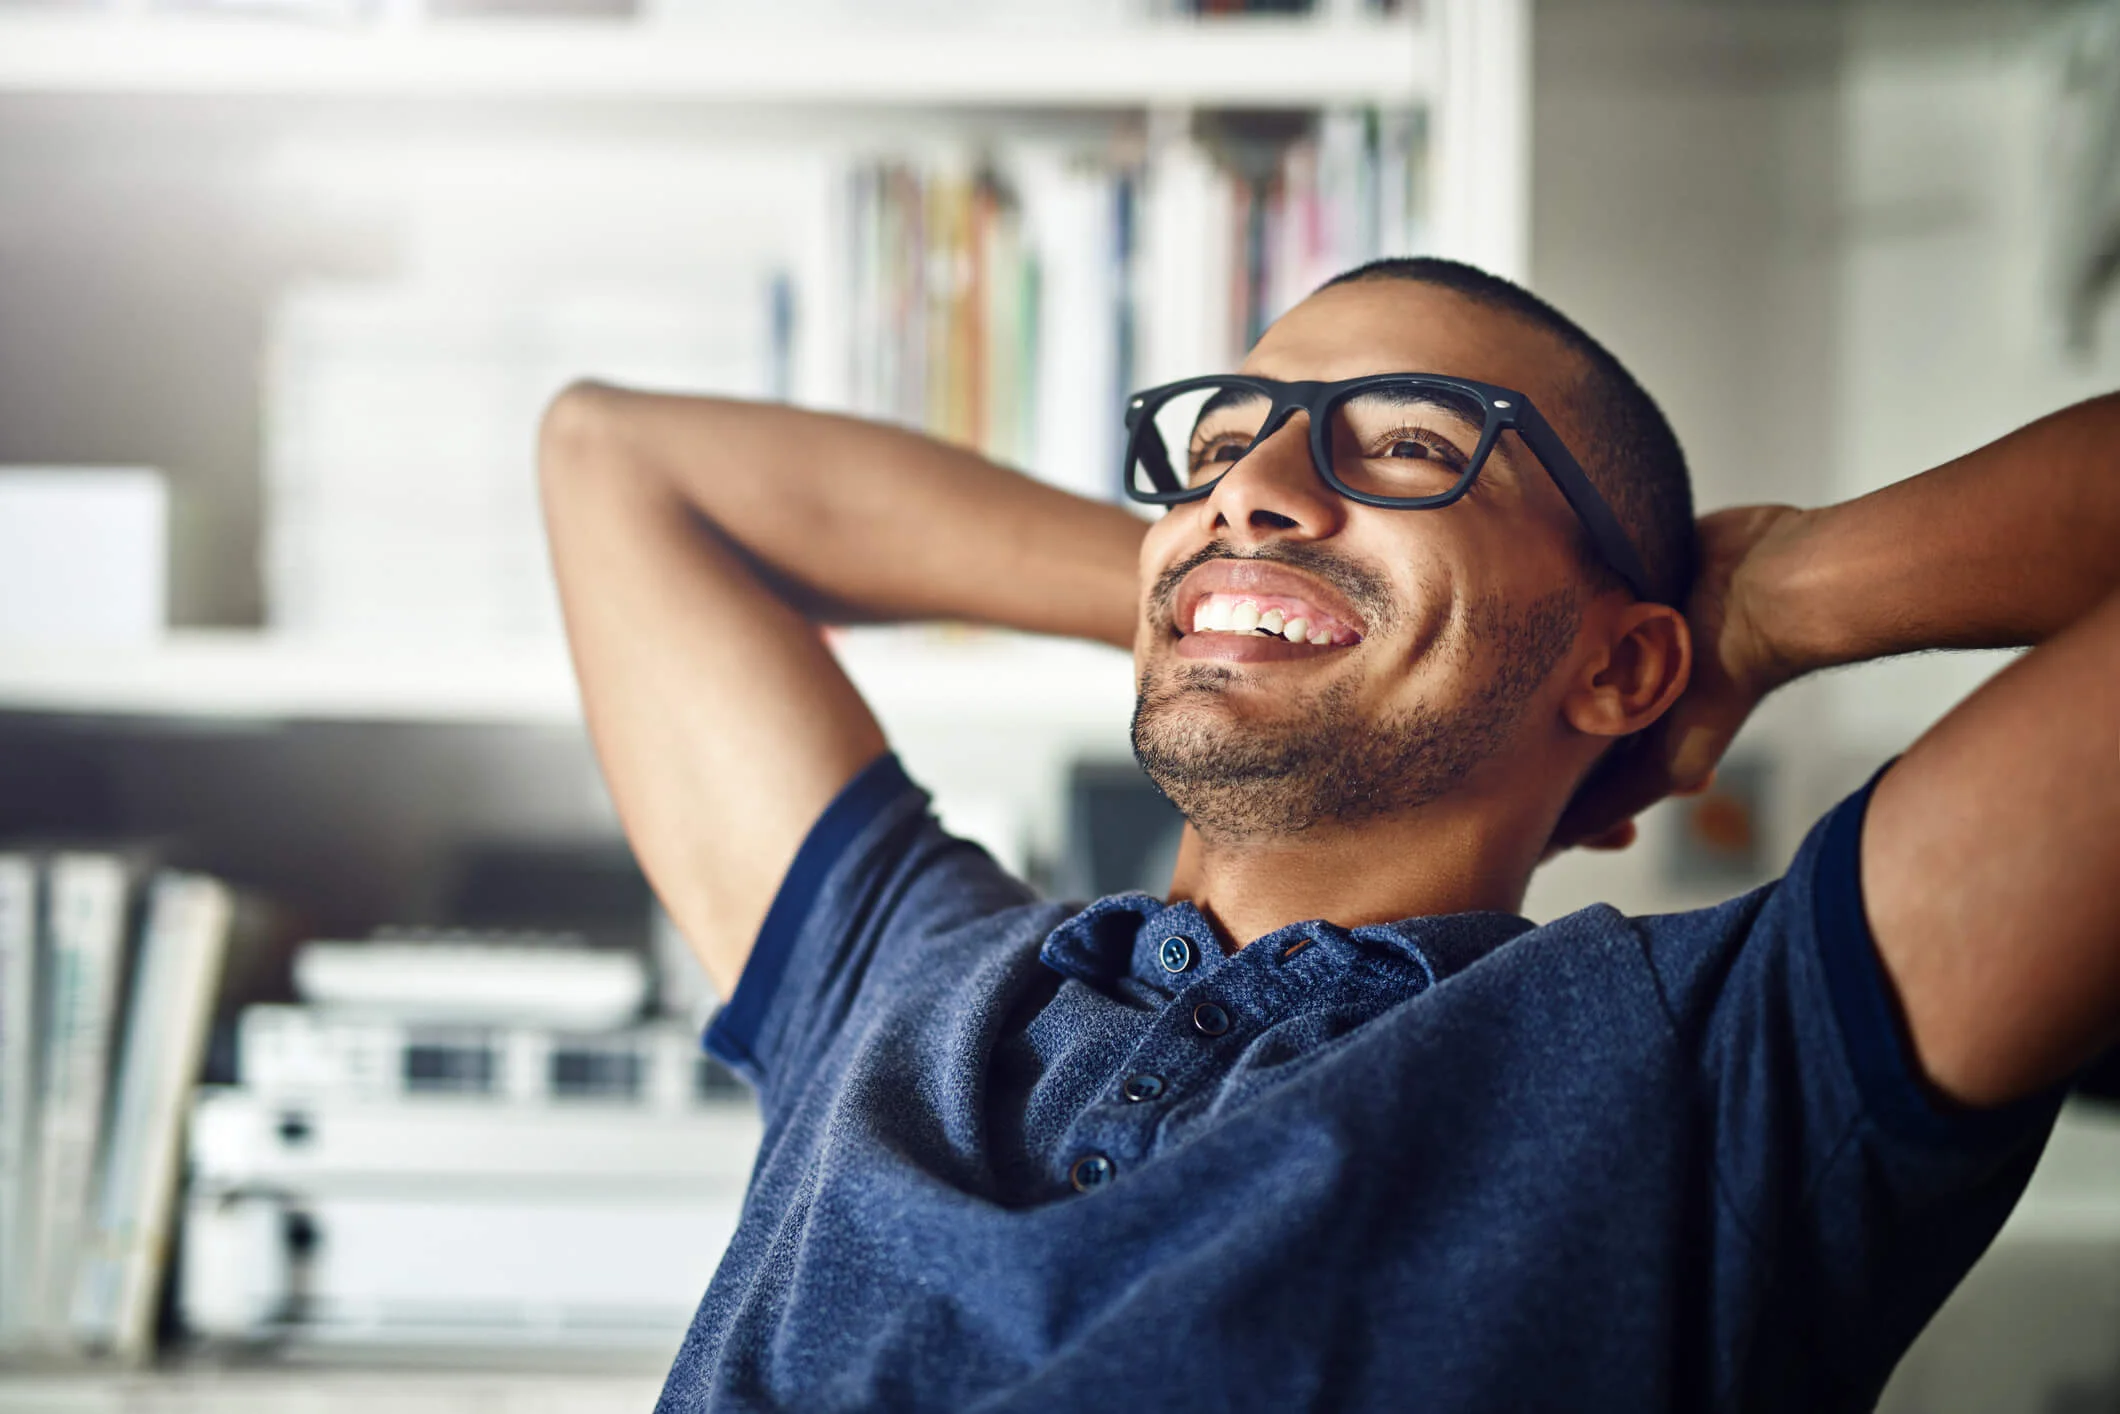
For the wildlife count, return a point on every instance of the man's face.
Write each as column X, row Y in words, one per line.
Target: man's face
column 1430, row 638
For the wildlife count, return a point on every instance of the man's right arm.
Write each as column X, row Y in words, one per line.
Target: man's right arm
column 698, row 543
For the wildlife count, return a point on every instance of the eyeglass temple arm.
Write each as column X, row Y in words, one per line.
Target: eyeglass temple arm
column 1582, row 495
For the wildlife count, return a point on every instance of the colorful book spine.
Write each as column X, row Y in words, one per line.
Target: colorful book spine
column 941, row 325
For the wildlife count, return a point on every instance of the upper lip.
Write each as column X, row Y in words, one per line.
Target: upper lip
column 1243, row 576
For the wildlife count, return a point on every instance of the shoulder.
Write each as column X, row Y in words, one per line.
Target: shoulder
column 879, row 900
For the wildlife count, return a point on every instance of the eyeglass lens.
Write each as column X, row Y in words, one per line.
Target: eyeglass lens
column 1399, row 440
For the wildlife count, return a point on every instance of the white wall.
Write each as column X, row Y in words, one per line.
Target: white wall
column 1684, row 177
column 1819, row 235
column 1947, row 331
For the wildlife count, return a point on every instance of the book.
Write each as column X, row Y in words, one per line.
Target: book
column 940, row 312
column 1187, row 326
column 85, row 924
column 183, row 946
column 18, row 1084
column 1071, row 403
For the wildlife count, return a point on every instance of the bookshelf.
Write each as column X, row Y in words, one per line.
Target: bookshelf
column 375, row 113
column 232, row 675
column 1460, row 64
column 495, row 1384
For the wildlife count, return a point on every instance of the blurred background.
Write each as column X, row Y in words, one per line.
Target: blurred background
column 294, row 794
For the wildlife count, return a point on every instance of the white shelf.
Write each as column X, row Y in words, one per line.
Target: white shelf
column 908, row 677
column 1248, row 63
column 318, row 1388
column 237, row 674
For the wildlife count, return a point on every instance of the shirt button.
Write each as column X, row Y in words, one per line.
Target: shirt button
column 1091, row 1171
column 1142, row 1087
column 1209, row 1019
column 1176, row 955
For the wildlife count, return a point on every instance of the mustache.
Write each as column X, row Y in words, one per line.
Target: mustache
column 1366, row 589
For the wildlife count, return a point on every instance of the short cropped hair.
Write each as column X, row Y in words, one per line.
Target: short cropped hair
column 1632, row 457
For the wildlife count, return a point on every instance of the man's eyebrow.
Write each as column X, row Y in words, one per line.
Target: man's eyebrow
column 1224, row 399
column 1401, row 396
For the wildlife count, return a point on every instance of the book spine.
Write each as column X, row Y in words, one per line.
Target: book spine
column 1072, row 327
column 183, row 948
column 87, row 913
column 18, row 1087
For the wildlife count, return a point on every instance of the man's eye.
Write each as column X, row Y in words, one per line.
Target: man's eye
column 1217, row 454
column 1414, row 445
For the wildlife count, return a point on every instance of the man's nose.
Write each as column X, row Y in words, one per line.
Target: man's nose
column 1275, row 491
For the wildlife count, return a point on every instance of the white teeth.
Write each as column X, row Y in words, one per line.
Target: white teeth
column 1217, row 614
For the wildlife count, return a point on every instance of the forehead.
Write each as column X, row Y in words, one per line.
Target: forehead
column 1403, row 326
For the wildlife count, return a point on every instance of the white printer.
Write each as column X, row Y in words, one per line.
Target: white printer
column 393, row 1177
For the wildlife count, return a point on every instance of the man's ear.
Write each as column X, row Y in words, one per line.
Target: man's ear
column 1642, row 669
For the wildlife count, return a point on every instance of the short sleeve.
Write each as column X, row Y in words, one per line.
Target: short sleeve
column 875, row 875
column 1849, row 1198
column 1879, row 1054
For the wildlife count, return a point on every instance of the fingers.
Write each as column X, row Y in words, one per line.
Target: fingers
column 1603, row 819
column 1618, row 837
column 1612, row 797
column 1691, row 763
column 1612, row 837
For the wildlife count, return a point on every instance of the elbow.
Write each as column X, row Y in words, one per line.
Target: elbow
column 577, row 430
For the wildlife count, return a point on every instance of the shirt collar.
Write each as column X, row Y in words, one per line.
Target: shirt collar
column 1122, row 935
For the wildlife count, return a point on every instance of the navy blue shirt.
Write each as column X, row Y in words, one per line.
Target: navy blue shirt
column 1023, row 1155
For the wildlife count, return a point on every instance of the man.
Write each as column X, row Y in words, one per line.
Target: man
column 1331, row 1126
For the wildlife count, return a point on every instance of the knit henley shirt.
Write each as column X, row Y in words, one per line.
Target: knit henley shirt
column 1025, row 1155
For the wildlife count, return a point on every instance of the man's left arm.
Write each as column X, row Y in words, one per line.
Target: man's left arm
column 1990, row 854
column 1990, row 857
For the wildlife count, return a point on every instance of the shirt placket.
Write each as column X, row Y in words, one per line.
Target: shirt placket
column 1215, row 1006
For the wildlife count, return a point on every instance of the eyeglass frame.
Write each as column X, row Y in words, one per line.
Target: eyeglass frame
column 1506, row 411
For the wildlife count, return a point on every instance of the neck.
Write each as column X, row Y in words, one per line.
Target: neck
column 1450, row 856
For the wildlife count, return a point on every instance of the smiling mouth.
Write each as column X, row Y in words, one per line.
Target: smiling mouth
column 1275, row 616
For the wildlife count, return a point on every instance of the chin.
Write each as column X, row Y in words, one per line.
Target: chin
column 1175, row 690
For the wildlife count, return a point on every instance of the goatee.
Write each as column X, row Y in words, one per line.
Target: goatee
column 1325, row 761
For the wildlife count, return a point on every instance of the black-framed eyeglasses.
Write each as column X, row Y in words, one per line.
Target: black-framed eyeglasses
column 1404, row 441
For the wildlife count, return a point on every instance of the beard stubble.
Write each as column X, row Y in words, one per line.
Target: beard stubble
column 1324, row 760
